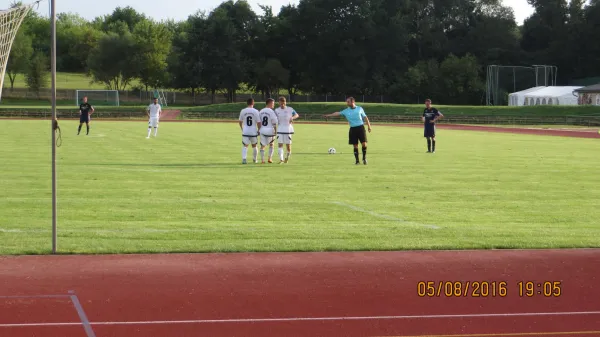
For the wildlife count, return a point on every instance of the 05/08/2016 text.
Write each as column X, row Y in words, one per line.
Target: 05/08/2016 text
column 489, row 289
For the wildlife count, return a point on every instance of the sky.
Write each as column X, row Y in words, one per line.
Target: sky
column 181, row 9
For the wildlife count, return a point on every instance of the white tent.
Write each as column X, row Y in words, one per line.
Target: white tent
column 552, row 96
column 518, row 98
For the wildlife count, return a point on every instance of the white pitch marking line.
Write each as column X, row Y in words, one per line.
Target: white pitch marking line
column 300, row 319
column 118, row 231
column 383, row 216
column 109, row 231
column 82, row 316
column 33, row 296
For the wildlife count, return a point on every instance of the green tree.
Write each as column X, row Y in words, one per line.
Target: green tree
column 229, row 32
column 184, row 62
column 456, row 80
column 545, row 32
column 37, row 74
column 113, row 61
column 589, row 49
column 76, row 38
column 423, row 80
column 38, row 28
column 126, row 15
column 335, row 36
column 286, row 40
column 486, row 30
column 271, row 77
column 20, row 56
column 153, row 45
column 461, row 80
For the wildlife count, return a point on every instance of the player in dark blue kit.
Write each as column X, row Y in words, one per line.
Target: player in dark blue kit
column 430, row 116
column 85, row 111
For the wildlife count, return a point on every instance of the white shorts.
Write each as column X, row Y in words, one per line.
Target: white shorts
column 153, row 123
column 284, row 138
column 266, row 140
column 249, row 140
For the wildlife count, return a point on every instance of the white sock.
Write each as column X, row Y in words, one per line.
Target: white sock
column 271, row 150
column 244, row 153
column 262, row 155
column 254, row 153
column 155, row 132
column 289, row 154
column 149, row 131
column 280, row 152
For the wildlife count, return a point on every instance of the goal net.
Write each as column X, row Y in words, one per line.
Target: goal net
column 503, row 80
column 98, row 97
column 10, row 21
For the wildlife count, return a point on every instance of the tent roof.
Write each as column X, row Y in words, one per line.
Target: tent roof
column 553, row 91
column 526, row 91
column 590, row 88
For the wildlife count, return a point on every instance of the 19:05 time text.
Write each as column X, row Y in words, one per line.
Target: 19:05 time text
column 489, row 288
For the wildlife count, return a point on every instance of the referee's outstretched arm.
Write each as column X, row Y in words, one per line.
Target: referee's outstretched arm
column 335, row 114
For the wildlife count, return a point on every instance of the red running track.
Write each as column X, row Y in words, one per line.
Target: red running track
column 298, row 294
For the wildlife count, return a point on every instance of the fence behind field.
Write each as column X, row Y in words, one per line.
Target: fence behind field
column 182, row 97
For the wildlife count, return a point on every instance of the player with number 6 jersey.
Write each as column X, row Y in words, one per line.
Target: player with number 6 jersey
column 268, row 129
column 250, row 126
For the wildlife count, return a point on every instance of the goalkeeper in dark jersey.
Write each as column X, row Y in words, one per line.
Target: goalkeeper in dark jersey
column 85, row 112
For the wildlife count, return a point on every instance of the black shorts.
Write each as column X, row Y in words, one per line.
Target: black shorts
column 357, row 134
column 84, row 118
column 429, row 131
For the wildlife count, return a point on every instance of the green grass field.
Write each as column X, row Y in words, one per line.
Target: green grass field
column 64, row 81
column 186, row 191
column 82, row 81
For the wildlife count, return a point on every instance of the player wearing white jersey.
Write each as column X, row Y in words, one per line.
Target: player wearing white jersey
column 268, row 129
column 285, row 128
column 154, row 112
column 250, row 125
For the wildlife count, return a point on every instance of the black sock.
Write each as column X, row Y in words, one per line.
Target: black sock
column 433, row 145
column 364, row 151
column 356, row 154
column 88, row 128
column 429, row 144
column 79, row 129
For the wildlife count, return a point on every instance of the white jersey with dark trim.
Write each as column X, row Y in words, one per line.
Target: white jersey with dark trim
column 154, row 110
column 284, row 116
column 249, row 118
column 268, row 120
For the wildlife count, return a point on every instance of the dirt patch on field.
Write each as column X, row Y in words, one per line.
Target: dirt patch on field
column 170, row 114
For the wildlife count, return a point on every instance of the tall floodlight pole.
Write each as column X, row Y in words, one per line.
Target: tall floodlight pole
column 54, row 122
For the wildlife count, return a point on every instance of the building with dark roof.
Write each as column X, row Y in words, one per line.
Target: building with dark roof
column 589, row 95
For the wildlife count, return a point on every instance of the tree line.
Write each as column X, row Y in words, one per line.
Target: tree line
column 399, row 48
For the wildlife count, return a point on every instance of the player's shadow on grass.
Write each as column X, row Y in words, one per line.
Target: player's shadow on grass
column 329, row 154
column 169, row 165
column 310, row 153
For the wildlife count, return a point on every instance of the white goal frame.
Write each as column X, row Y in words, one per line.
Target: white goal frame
column 10, row 21
column 78, row 100
column 492, row 90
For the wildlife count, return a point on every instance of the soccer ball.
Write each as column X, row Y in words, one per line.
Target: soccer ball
column 331, row 151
